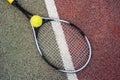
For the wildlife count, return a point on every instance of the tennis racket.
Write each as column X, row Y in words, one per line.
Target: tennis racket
column 63, row 45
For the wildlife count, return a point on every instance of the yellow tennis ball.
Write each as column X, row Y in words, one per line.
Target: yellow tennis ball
column 10, row 1
column 36, row 21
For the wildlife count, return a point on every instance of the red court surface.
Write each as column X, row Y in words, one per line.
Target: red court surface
column 100, row 20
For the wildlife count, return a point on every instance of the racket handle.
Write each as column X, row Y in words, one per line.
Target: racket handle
column 16, row 4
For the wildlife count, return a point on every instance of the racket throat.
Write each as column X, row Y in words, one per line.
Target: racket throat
column 36, row 31
column 25, row 12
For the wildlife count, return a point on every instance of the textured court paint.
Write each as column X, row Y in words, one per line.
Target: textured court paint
column 100, row 20
column 65, row 54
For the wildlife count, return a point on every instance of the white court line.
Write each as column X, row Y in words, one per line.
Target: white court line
column 65, row 54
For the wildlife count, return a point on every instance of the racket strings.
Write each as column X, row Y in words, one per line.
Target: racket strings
column 77, row 45
column 80, row 56
column 51, row 56
column 43, row 31
column 48, row 44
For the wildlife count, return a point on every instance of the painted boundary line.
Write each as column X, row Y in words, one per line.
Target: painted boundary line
column 65, row 54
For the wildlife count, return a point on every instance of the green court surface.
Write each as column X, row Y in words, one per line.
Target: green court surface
column 19, row 58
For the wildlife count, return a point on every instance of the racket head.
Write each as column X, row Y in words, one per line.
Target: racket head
column 67, row 51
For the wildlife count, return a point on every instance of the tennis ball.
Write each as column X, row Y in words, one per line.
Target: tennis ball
column 10, row 1
column 36, row 21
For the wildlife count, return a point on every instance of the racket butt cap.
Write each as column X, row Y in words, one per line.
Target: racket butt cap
column 10, row 1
